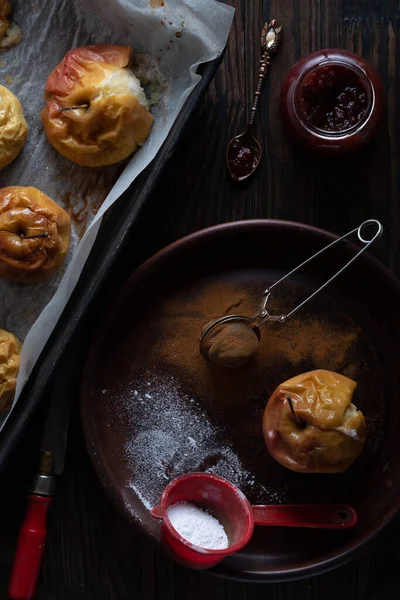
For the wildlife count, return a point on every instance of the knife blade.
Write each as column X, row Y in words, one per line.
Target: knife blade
column 54, row 440
column 32, row 535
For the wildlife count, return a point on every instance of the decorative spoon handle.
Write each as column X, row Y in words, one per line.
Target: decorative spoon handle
column 270, row 40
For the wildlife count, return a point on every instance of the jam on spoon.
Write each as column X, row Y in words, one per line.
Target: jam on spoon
column 244, row 152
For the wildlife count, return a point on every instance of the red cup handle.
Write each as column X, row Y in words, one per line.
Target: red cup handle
column 30, row 546
column 320, row 516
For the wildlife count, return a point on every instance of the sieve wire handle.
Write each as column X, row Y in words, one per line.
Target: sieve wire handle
column 263, row 314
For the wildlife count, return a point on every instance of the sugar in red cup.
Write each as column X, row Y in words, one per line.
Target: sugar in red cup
column 230, row 507
column 220, row 498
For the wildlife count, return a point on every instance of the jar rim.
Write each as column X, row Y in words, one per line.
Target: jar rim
column 353, row 129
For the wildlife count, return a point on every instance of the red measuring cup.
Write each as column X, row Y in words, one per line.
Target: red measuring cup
column 232, row 509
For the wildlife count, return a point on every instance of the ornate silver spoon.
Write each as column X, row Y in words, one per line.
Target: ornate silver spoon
column 244, row 152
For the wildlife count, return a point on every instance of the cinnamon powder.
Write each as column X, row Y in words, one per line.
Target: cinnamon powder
column 230, row 344
column 285, row 350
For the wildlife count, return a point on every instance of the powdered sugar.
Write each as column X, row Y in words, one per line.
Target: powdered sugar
column 141, row 498
column 197, row 526
column 172, row 435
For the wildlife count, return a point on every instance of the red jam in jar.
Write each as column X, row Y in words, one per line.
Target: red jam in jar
column 332, row 101
column 333, row 98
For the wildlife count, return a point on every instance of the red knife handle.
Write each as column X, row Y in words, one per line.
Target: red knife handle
column 30, row 546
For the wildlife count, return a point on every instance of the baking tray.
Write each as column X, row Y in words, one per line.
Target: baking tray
column 112, row 239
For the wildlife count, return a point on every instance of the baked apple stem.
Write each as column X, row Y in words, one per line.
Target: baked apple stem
column 34, row 237
column 28, row 237
column 74, row 107
column 299, row 421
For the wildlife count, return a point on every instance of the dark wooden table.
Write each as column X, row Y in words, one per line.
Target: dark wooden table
column 91, row 553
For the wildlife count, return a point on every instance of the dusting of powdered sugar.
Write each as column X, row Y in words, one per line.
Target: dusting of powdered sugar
column 172, row 434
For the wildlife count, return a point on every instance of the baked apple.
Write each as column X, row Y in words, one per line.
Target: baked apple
column 10, row 33
column 13, row 127
column 5, row 9
column 310, row 424
column 96, row 111
column 34, row 234
column 10, row 348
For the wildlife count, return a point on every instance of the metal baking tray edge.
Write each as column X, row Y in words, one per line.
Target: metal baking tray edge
column 111, row 240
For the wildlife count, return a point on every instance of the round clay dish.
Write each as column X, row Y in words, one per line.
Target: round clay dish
column 353, row 327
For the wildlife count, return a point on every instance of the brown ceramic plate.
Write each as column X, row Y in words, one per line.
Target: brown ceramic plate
column 152, row 409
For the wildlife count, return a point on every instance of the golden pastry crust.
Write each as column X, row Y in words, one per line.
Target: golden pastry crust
column 10, row 349
column 332, row 432
column 13, row 127
column 34, row 235
column 114, row 122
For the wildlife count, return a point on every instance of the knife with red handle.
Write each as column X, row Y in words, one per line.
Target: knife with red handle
column 32, row 535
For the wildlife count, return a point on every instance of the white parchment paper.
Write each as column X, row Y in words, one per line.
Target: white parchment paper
column 178, row 36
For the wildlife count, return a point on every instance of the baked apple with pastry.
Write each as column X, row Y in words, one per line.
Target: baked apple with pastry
column 13, row 127
column 10, row 349
column 34, row 235
column 96, row 111
column 310, row 424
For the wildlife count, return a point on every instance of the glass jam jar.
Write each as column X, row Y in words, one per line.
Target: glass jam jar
column 332, row 101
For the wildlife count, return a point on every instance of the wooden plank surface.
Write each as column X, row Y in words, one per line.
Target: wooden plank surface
column 91, row 553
